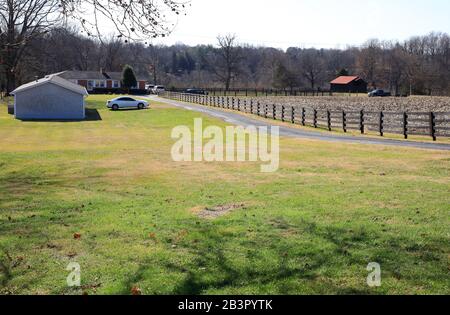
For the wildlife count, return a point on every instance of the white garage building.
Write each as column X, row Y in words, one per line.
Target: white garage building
column 50, row 98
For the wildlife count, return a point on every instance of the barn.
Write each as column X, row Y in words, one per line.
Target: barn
column 50, row 98
column 348, row 84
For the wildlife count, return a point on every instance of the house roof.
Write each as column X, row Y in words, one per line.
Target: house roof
column 93, row 75
column 52, row 79
column 345, row 79
column 81, row 75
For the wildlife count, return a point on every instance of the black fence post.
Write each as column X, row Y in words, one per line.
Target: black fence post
column 381, row 124
column 274, row 108
column 282, row 113
column 361, row 121
column 315, row 118
column 329, row 120
column 344, row 121
column 405, row 125
column 303, row 116
column 259, row 109
column 433, row 125
column 293, row 115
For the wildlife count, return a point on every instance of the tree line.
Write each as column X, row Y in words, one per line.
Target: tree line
column 25, row 24
column 419, row 65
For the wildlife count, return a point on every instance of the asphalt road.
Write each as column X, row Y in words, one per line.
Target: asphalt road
column 242, row 120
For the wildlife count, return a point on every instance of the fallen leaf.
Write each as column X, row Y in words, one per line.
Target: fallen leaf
column 77, row 236
column 136, row 291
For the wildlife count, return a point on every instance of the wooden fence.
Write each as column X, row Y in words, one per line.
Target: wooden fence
column 263, row 92
column 433, row 124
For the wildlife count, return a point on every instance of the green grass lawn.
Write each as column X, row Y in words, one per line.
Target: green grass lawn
column 312, row 227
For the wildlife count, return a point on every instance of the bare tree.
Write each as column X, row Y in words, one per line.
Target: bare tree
column 368, row 61
column 112, row 50
column 227, row 61
column 312, row 66
column 21, row 21
column 136, row 20
column 394, row 66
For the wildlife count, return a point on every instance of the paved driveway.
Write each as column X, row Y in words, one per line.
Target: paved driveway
column 242, row 120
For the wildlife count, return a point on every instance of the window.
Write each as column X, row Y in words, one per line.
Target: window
column 90, row 85
column 116, row 84
column 100, row 84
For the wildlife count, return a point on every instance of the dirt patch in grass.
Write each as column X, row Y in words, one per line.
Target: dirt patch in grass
column 217, row 211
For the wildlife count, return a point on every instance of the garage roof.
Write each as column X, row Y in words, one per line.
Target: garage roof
column 54, row 80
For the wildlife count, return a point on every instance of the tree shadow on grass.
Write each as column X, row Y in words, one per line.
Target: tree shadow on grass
column 5, row 268
column 213, row 266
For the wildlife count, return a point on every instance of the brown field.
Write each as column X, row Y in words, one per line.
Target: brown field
column 408, row 104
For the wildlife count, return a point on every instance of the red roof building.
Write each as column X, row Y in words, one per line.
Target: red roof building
column 348, row 84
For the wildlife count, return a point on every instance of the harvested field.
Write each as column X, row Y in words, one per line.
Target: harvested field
column 408, row 104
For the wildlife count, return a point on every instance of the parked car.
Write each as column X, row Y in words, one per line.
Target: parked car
column 159, row 89
column 379, row 93
column 149, row 88
column 196, row 91
column 126, row 102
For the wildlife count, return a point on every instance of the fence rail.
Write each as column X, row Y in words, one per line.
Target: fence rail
column 264, row 92
column 433, row 124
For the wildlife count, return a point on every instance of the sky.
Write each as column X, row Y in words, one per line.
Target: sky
column 309, row 23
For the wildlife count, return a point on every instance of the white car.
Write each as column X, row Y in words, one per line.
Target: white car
column 126, row 102
column 159, row 89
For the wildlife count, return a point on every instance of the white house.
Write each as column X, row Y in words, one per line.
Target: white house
column 50, row 98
